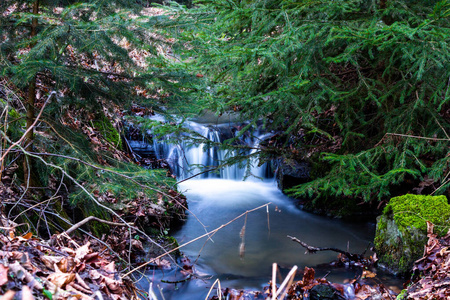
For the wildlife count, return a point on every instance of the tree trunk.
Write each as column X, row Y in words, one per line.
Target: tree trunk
column 29, row 105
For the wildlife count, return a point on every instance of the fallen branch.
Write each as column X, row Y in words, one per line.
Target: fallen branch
column 312, row 250
column 84, row 221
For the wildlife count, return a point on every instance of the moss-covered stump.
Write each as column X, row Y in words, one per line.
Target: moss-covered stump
column 401, row 229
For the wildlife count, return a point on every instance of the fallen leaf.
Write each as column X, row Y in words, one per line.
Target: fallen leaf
column 114, row 286
column 26, row 293
column 81, row 252
column 137, row 244
column 110, row 269
column 66, row 264
column 9, row 295
column 28, row 236
column 163, row 263
column 368, row 274
column 3, row 275
column 61, row 279
column 94, row 274
column 50, row 261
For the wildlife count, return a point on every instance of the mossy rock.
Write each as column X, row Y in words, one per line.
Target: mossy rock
column 402, row 229
column 104, row 126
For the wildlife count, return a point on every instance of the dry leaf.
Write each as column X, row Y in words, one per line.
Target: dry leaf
column 26, row 293
column 81, row 282
column 242, row 250
column 23, row 274
column 50, row 261
column 61, row 279
column 9, row 295
column 27, row 236
column 81, row 252
column 163, row 263
column 115, row 286
column 94, row 274
column 137, row 244
column 368, row 274
column 66, row 264
column 3, row 275
column 110, row 269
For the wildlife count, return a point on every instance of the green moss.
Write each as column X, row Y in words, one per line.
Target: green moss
column 104, row 126
column 401, row 230
column 416, row 210
column 403, row 295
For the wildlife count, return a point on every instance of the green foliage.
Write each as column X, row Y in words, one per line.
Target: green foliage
column 83, row 50
column 403, row 294
column 98, row 57
column 368, row 86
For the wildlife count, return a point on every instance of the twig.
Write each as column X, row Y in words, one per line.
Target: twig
column 284, row 287
column 219, row 289
column 195, row 175
column 274, row 281
column 417, row 137
column 124, row 176
column 84, row 221
column 196, row 239
column 312, row 250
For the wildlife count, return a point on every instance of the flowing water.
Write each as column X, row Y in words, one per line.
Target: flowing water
column 217, row 198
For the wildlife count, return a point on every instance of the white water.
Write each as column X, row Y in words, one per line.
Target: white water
column 188, row 160
column 216, row 199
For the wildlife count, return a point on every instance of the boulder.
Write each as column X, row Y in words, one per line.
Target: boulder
column 401, row 232
column 291, row 173
column 325, row 292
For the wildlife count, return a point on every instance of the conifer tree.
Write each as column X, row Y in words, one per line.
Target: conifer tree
column 91, row 53
column 79, row 61
column 359, row 88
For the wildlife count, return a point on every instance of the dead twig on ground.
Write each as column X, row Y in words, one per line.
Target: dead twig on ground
column 84, row 221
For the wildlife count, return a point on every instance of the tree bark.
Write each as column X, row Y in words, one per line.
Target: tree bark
column 29, row 105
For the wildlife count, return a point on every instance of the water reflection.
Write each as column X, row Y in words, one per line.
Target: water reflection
column 217, row 201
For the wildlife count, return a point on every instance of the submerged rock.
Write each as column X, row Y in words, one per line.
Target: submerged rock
column 401, row 232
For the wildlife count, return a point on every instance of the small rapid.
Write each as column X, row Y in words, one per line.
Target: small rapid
column 219, row 196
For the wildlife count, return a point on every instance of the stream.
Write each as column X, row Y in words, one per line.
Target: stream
column 216, row 198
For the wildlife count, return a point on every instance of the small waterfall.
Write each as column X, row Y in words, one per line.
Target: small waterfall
column 187, row 160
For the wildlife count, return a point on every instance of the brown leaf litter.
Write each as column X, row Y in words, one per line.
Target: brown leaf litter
column 433, row 268
column 32, row 269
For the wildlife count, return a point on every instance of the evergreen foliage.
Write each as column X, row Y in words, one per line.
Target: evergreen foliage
column 97, row 58
column 364, row 83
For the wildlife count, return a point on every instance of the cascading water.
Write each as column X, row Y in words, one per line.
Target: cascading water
column 218, row 196
column 187, row 160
